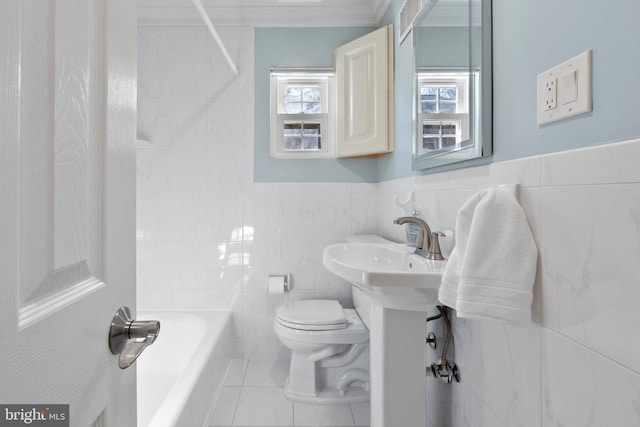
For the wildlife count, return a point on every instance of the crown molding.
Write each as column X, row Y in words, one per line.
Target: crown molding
column 291, row 15
column 380, row 8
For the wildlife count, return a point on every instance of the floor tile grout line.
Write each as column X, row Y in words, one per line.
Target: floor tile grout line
column 244, row 373
column 235, row 409
column 353, row 417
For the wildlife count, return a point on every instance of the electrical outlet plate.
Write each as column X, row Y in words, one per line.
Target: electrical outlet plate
column 565, row 90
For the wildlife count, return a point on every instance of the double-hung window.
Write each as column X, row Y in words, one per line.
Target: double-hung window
column 443, row 112
column 300, row 106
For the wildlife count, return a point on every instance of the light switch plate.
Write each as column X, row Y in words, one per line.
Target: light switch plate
column 571, row 79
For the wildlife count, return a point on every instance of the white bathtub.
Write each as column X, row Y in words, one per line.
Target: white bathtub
column 180, row 374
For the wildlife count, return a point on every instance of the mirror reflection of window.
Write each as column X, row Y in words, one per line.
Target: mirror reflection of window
column 443, row 112
column 439, row 98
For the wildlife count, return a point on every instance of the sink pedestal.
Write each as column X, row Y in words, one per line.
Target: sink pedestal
column 401, row 288
column 398, row 392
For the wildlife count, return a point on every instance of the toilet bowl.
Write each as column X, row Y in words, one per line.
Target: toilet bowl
column 329, row 352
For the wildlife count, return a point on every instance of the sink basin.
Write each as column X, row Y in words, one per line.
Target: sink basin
column 391, row 274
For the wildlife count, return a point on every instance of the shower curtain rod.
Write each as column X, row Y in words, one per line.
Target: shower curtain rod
column 214, row 33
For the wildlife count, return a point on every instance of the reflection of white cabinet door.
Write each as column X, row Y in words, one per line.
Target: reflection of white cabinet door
column 67, row 205
column 364, row 79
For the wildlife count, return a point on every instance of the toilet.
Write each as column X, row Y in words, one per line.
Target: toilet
column 329, row 350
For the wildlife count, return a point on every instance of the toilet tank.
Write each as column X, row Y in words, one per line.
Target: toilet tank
column 361, row 303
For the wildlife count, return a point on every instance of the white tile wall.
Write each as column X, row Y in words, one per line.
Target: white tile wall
column 208, row 237
column 579, row 362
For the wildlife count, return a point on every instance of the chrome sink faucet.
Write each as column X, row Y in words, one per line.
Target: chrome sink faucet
column 421, row 247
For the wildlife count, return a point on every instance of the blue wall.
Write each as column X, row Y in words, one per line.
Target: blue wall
column 398, row 163
column 529, row 36
column 444, row 47
column 299, row 48
column 534, row 35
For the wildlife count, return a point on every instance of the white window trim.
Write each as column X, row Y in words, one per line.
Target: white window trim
column 323, row 79
column 461, row 81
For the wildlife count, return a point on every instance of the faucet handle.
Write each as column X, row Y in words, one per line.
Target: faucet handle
column 434, row 248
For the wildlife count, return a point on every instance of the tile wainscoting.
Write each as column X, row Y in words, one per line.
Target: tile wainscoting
column 578, row 364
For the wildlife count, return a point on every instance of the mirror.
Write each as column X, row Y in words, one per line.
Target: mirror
column 452, row 84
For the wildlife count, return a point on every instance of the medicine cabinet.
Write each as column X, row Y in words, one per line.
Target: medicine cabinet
column 452, row 81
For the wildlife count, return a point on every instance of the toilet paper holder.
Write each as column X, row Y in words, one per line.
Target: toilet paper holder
column 277, row 280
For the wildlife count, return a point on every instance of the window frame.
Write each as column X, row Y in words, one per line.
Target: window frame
column 461, row 80
column 325, row 81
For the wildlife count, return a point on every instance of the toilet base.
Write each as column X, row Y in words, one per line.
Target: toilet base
column 330, row 395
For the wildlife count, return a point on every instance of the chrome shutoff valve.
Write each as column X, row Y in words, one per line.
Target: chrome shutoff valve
column 445, row 372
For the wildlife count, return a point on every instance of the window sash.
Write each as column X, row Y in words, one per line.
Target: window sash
column 301, row 134
column 318, row 142
column 461, row 105
column 441, row 142
column 319, row 84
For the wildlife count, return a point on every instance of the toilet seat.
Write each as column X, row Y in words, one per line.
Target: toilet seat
column 354, row 332
column 312, row 315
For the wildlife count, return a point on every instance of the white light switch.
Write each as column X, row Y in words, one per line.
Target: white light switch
column 569, row 88
column 572, row 80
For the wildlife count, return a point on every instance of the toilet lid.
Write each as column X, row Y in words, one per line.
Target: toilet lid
column 320, row 314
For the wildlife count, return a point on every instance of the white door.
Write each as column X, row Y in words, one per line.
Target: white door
column 67, row 204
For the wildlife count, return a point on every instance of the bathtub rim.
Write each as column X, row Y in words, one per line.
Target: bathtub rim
column 172, row 406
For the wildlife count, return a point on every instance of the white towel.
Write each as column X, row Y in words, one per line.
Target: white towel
column 491, row 271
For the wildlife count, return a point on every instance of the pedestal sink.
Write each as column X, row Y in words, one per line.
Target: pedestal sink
column 390, row 273
column 402, row 287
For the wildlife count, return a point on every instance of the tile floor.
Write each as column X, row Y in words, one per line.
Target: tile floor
column 253, row 395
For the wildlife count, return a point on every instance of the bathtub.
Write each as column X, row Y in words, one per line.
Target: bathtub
column 181, row 373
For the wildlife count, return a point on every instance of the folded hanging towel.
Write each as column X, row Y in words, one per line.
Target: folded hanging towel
column 491, row 271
